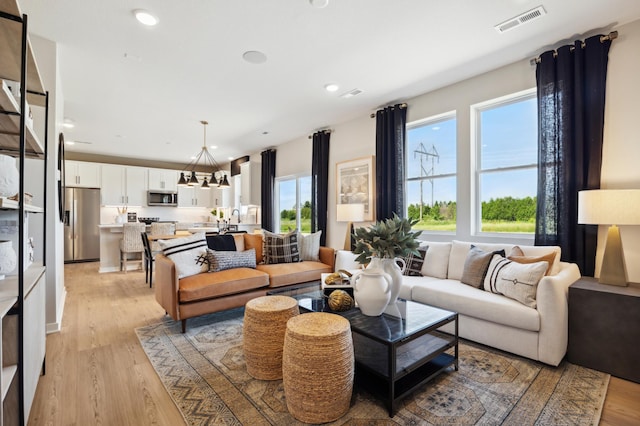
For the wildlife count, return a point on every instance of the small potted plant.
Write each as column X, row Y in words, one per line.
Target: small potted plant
column 384, row 243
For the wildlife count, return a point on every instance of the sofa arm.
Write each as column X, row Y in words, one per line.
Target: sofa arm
column 328, row 256
column 554, row 313
column 167, row 285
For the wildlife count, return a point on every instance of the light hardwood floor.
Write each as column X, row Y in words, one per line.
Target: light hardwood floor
column 98, row 374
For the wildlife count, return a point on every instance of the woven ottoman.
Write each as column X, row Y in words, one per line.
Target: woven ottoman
column 317, row 367
column 265, row 322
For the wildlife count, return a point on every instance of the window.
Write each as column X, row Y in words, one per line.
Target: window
column 431, row 173
column 506, row 152
column 293, row 199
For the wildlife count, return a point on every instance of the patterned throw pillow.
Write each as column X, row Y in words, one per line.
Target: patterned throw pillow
column 476, row 265
column 515, row 280
column 309, row 246
column 187, row 254
column 221, row 260
column 281, row 248
column 414, row 263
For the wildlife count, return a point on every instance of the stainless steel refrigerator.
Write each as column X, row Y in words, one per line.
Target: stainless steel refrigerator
column 81, row 220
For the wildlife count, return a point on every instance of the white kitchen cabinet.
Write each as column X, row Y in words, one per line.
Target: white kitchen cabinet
column 193, row 196
column 163, row 180
column 250, row 177
column 123, row 185
column 82, row 174
column 220, row 197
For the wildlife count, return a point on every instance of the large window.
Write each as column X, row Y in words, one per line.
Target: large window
column 293, row 198
column 431, row 173
column 506, row 156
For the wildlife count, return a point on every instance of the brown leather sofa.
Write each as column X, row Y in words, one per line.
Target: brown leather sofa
column 217, row 291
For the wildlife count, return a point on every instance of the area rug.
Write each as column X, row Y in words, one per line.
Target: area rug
column 204, row 372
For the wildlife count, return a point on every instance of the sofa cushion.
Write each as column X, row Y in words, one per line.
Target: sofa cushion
column 222, row 260
column 436, row 262
column 280, row 248
column 293, row 273
column 223, row 283
column 346, row 260
column 515, row 280
column 188, row 253
column 473, row 302
column 413, row 263
column 476, row 265
column 224, row 242
column 254, row 241
column 309, row 246
column 517, row 255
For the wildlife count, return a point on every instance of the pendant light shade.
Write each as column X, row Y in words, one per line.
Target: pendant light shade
column 208, row 162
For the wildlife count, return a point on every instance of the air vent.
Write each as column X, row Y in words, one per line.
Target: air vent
column 524, row 18
column 351, row 93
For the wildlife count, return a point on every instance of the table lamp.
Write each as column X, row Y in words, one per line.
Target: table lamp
column 610, row 207
column 349, row 213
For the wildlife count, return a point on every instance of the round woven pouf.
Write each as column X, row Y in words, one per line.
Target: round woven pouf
column 317, row 367
column 265, row 322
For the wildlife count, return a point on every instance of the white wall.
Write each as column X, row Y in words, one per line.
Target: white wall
column 621, row 149
column 46, row 54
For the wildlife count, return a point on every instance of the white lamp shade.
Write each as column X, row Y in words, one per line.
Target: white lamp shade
column 350, row 213
column 609, row 207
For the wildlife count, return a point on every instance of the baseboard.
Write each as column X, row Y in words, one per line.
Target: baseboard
column 55, row 327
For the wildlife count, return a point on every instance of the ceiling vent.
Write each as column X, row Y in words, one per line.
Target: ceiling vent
column 351, row 93
column 524, row 18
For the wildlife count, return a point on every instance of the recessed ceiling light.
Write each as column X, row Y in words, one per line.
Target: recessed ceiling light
column 331, row 87
column 145, row 18
column 320, row 4
column 254, row 57
column 214, row 147
column 68, row 123
column 69, row 142
column 230, row 158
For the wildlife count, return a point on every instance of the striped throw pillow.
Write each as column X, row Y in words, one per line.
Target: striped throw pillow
column 189, row 254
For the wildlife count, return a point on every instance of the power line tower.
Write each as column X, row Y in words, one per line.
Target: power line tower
column 426, row 156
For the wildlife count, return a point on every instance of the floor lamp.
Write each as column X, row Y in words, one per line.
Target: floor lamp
column 350, row 213
column 610, row 207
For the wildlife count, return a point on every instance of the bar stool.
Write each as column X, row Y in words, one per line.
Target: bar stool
column 317, row 367
column 265, row 322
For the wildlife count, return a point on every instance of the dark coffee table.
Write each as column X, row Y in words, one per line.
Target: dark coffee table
column 397, row 351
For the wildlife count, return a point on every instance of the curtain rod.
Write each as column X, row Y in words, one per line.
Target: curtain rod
column 320, row 131
column 401, row 106
column 611, row 36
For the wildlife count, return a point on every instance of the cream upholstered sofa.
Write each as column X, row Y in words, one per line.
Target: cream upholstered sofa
column 495, row 320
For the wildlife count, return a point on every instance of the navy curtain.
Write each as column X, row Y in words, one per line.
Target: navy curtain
column 320, row 183
column 390, row 139
column 268, row 189
column 571, row 95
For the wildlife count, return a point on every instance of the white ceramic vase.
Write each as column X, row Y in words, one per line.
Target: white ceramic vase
column 371, row 291
column 9, row 177
column 391, row 267
column 8, row 258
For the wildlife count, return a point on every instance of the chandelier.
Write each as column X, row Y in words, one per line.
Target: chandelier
column 207, row 162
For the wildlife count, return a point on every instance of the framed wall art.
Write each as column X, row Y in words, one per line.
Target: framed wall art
column 355, row 181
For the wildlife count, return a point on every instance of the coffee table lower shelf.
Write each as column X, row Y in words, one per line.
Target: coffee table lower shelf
column 380, row 386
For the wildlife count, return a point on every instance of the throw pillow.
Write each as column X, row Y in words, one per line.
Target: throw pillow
column 188, row 254
column 221, row 242
column 476, row 265
column 221, row 260
column 254, row 241
column 517, row 255
column 414, row 263
column 515, row 280
column 281, row 248
column 309, row 246
column 436, row 262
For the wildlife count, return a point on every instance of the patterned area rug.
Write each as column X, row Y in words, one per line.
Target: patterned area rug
column 205, row 374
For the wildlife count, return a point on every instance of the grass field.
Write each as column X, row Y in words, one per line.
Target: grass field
column 442, row 226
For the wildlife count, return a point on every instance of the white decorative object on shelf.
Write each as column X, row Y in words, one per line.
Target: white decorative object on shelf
column 9, row 178
column 8, row 258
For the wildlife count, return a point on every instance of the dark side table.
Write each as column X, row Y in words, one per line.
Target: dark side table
column 604, row 327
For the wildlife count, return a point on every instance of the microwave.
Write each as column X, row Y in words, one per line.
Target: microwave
column 162, row 198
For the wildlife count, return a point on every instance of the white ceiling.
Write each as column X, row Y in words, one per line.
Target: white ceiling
column 141, row 92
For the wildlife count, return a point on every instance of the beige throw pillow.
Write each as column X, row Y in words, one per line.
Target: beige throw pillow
column 517, row 255
column 309, row 246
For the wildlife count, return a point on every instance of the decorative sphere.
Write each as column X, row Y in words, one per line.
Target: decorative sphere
column 339, row 300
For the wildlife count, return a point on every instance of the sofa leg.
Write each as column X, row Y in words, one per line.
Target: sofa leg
column 184, row 325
